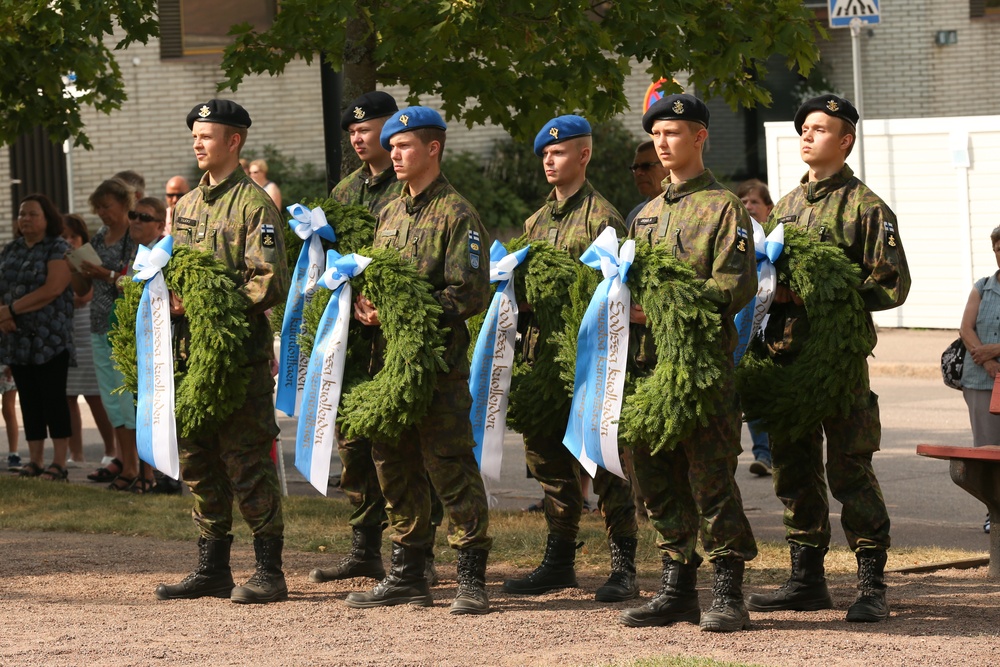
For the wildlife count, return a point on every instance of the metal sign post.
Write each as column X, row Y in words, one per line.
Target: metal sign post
column 854, row 14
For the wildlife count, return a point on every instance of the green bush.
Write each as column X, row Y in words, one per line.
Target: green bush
column 499, row 207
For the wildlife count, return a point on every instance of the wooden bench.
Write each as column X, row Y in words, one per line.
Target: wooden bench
column 977, row 470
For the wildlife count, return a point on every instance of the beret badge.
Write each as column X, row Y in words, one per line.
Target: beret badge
column 554, row 132
column 359, row 113
column 204, row 111
column 833, row 106
column 678, row 107
column 404, row 119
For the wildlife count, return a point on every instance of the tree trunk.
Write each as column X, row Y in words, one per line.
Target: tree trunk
column 359, row 74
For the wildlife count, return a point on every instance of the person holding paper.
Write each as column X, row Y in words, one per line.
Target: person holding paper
column 572, row 217
column 691, row 488
column 843, row 211
column 232, row 218
column 439, row 231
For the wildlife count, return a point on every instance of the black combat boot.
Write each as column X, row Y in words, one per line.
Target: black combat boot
column 677, row 600
column 556, row 571
column 405, row 583
column 621, row 584
column 430, row 572
column 805, row 589
column 365, row 559
column 471, row 597
column 870, row 605
column 213, row 578
column 727, row 613
column 267, row 583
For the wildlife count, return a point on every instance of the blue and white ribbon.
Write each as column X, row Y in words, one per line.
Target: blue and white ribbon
column 752, row 318
column 155, row 426
column 324, row 378
column 310, row 226
column 492, row 360
column 601, row 351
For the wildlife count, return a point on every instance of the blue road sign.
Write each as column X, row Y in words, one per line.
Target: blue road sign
column 843, row 11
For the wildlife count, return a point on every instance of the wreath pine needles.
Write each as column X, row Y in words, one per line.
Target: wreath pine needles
column 794, row 399
column 539, row 399
column 684, row 389
column 398, row 396
column 215, row 382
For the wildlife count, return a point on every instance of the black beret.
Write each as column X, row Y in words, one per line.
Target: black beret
column 224, row 112
column 831, row 105
column 369, row 106
column 679, row 106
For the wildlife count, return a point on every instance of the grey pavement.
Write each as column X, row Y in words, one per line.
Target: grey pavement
column 916, row 407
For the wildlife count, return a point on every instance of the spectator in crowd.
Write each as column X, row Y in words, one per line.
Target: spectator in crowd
column 757, row 200
column 176, row 188
column 9, row 391
column 111, row 201
column 258, row 172
column 82, row 378
column 648, row 174
column 980, row 332
column 36, row 320
column 134, row 180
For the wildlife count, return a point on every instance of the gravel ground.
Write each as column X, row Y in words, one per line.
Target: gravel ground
column 72, row 599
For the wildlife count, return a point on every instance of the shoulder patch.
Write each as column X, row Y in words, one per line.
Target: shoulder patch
column 890, row 235
column 742, row 242
column 185, row 222
column 267, row 236
column 475, row 248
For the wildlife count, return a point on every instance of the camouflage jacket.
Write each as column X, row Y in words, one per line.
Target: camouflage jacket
column 362, row 189
column 238, row 222
column 708, row 228
column 440, row 233
column 852, row 217
column 573, row 223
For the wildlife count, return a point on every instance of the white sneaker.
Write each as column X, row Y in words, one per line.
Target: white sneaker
column 70, row 463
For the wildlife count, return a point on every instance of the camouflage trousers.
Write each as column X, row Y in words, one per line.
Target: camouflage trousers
column 692, row 489
column 359, row 482
column 800, row 483
column 235, row 463
column 436, row 455
column 559, row 474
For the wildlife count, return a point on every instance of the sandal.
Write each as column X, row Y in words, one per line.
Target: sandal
column 30, row 469
column 105, row 474
column 54, row 473
column 141, row 486
column 122, row 483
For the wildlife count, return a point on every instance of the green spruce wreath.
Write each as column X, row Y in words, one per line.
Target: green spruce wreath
column 684, row 388
column 215, row 382
column 794, row 399
column 399, row 395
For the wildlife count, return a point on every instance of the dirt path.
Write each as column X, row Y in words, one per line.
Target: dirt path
column 87, row 600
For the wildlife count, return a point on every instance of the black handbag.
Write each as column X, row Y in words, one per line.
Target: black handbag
column 952, row 360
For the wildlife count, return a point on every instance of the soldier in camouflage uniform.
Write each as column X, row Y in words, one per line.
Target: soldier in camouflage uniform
column 572, row 217
column 439, row 231
column 693, row 486
column 233, row 218
column 852, row 217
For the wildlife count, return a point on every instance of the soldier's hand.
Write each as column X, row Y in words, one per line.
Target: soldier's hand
column 784, row 294
column 636, row 315
column 365, row 311
column 176, row 305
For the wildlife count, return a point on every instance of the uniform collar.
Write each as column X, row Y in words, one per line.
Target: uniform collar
column 212, row 192
column 816, row 190
column 385, row 175
column 677, row 191
column 559, row 209
column 414, row 204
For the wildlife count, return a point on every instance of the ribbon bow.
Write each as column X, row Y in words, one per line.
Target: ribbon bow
column 341, row 268
column 150, row 261
column 750, row 320
column 307, row 222
column 492, row 362
column 604, row 254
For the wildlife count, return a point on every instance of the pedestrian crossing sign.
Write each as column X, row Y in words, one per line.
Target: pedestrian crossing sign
column 842, row 12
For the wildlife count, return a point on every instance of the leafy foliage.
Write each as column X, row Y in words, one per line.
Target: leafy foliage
column 794, row 399
column 215, row 381
column 683, row 390
column 519, row 63
column 43, row 41
column 499, row 206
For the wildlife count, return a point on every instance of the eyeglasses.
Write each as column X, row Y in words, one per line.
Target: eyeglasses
column 643, row 166
column 142, row 217
column 174, row 195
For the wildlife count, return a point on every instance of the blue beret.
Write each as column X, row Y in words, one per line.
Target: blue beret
column 831, row 105
column 224, row 112
column 679, row 106
column 376, row 104
column 561, row 129
column 409, row 119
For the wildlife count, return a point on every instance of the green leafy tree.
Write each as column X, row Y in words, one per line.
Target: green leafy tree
column 43, row 42
column 519, row 62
